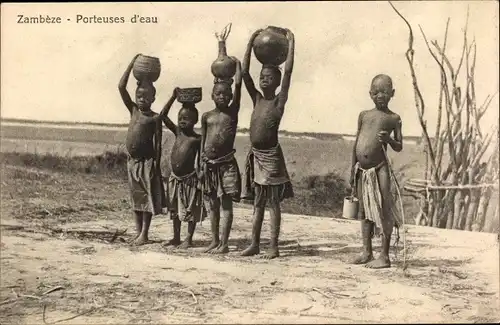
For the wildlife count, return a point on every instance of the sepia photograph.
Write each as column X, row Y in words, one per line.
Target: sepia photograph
column 293, row 162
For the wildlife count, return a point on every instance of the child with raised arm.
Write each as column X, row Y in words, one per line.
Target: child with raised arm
column 267, row 180
column 144, row 153
column 221, row 175
column 184, row 193
column 370, row 175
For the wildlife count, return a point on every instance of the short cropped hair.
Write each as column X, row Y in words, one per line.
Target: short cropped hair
column 274, row 68
column 384, row 77
column 146, row 84
column 220, row 82
column 191, row 109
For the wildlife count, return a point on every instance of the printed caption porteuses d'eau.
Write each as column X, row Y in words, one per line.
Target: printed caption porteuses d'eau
column 83, row 19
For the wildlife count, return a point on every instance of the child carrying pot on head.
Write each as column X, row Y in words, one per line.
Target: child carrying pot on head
column 183, row 186
column 143, row 145
column 221, row 175
column 266, row 180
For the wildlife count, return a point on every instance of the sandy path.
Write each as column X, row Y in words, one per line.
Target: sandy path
column 453, row 276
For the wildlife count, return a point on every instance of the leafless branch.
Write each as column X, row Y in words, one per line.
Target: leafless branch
column 419, row 101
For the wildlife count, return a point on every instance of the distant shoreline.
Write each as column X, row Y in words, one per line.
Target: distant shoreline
column 121, row 126
column 27, row 121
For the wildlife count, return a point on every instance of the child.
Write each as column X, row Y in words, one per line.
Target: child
column 267, row 179
column 184, row 194
column 144, row 152
column 222, row 180
column 370, row 171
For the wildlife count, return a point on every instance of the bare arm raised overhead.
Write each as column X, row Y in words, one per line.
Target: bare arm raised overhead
column 122, row 86
column 202, row 144
column 287, row 75
column 237, row 85
column 164, row 113
column 249, row 84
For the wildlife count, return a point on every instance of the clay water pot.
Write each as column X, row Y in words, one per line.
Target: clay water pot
column 147, row 68
column 189, row 95
column 223, row 67
column 271, row 46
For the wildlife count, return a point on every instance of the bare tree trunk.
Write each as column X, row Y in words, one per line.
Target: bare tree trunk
column 451, row 216
column 491, row 214
column 471, row 213
column 492, row 220
column 483, row 207
column 465, row 208
column 430, row 210
column 459, row 203
column 438, row 210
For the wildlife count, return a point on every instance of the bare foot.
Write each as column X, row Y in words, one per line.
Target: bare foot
column 214, row 251
column 251, row 250
column 185, row 244
column 211, row 247
column 141, row 240
column 222, row 249
column 135, row 238
column 382, row 262
column 363, row 259
column 271, row 253
column 171, row 242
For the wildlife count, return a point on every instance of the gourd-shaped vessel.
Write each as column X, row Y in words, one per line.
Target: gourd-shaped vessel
column 271, row 46
column 223, row 67
column 147, row 68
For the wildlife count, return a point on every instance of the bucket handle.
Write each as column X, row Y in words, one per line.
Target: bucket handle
column 353, row 193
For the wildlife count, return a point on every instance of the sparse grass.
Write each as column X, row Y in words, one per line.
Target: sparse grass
column 320, row 195
column 315, row 195
column 319, row 168
column 107, row 163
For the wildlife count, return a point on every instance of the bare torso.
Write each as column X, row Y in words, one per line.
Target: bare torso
column 183, row 155
column 221, row 130
column 141, row 131
column 369, row 151
column 265, row 122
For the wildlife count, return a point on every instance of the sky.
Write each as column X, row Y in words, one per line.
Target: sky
column 70, row 71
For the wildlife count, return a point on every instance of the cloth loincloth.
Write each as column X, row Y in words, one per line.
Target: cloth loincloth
column 371, row 200
column 266, row 177
column 222, row 177
column 185, row 197
column 147, row 192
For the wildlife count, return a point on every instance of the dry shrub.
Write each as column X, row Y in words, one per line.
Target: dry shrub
column 319, row 195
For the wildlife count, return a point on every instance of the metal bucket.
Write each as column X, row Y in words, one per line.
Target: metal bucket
column 351, row 206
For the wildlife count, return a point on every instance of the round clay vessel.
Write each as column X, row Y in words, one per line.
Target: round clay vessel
column 271, row 46
column 223, row 67
column 147, row 68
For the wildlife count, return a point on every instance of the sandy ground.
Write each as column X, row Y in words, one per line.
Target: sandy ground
column 452, row 276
